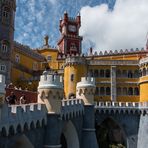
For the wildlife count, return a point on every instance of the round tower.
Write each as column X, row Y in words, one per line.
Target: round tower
column 75, row 68
column 86, row 90
column 143, row 82
column 2, row 89
column 50, row 91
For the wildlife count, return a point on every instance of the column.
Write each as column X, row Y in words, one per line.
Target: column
column 113, row 83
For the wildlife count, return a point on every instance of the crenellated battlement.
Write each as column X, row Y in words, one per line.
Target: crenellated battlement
column 122, row 107
column 50, row 81
column 118, row 52
column 50, row 92
column 74, row 60
column 22, row 115
column 86, row 82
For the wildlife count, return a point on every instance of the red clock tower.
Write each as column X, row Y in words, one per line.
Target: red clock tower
column 70, row 41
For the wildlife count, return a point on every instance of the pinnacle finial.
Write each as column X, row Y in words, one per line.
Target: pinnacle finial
column 79, row 14
column 46, row 38
column 65, row 12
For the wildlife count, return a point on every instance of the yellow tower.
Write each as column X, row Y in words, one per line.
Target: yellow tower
column 75, row 68
column 143, row 79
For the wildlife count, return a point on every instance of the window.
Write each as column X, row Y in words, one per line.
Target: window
column 35, row 66
column 101, row 73
column 6, row 14
column 130, row 91
column 3, row 68
column 144, row 72
column 124, row 91
column 48, row 58
column 136, row 74
column 136, row 91
column 102, row 91
column 130, row 74
column 107, row 73
column 4, row 48
column 108, row 91
column 124, row 73
column 118, row 73
column 119, row 91
column 97, row 91
column 72, row 77
column 17, row 58
column 73, row 47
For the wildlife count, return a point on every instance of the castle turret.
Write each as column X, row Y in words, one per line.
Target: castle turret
column 50, row 92
column 2, row 89
column 75, row 68
column 86, row 91
column 7, row 17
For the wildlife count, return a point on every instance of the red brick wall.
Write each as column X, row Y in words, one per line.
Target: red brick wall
column 31, row 97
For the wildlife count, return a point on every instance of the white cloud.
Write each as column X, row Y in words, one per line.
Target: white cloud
column 124, row 27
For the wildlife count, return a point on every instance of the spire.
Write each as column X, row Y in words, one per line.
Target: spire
column 79, row 14
column 46, row 38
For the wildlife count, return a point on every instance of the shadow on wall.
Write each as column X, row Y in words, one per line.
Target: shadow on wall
column 22, row 142
column 110, row 134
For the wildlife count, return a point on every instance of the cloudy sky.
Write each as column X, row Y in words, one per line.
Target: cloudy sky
column 106, row 24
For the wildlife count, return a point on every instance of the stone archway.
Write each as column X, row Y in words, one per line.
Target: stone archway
column 110, row 134
column 69, row 136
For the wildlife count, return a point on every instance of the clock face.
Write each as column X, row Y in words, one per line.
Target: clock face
column 72, row 28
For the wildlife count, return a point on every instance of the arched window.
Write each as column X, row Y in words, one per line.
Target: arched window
column 2, row 68
column 101, row 73
column 72, row 77
column 119, row 73
column 144, row 72
column 5, row 14
column 107, row 91
column 124, row 73
column 102, row 91
column 125, row 91
column 17, row 58
column 136, row 91
column 136, row 74
column 130, row 91
column 4, row 46
column 107, row 73
column 130, row 74
column 119, row 93
column 95, row 73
